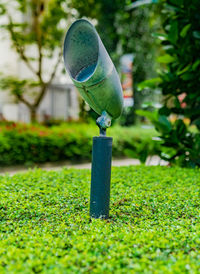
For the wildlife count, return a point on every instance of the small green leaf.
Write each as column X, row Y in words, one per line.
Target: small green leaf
column 165, row 59
column 180, row 128
column 196, row 34
column 185, row 30
column 163, row 124
column 150, row 83
column 184, row 69
column 196, row 64
column 160, row 36
column 152, row 116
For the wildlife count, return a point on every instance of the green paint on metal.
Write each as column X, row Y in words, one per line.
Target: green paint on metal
column 104, row 121
column 100, row 178
column 85, row 73
column 92, row 70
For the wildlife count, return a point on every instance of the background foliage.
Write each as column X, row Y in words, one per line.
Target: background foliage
column 28, row 144
column 180, row 83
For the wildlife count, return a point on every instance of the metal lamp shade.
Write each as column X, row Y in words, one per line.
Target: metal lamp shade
column 92, row 70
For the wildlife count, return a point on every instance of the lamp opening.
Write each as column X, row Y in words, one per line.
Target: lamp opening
column 81, row 50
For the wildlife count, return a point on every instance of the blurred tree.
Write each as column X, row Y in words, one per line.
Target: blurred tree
column 34, row 26
column 135, row 29
column 126, row 32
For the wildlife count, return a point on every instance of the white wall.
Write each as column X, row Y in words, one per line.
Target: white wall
column 56, row 101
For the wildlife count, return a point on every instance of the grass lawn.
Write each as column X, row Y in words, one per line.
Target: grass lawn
column 154, row 225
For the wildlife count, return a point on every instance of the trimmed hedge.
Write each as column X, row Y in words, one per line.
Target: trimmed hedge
column 154, row 224
column 27, row 144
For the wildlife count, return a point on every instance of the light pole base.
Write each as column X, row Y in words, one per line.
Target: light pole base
column 100, row 178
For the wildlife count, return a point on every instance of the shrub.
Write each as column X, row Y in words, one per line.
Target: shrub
column 28, row 144
column 180, row 83
column 154, row 223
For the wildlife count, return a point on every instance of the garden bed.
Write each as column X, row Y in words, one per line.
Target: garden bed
column 154, row 223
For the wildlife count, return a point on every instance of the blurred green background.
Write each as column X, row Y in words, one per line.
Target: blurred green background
column 163, row 37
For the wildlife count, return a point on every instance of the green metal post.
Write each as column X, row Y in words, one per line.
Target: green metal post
column 100, row 179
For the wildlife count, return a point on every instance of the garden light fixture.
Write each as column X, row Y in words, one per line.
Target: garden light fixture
column 96, row 78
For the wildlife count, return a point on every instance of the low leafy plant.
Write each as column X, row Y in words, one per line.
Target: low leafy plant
column 154, row 223
column 27, row 144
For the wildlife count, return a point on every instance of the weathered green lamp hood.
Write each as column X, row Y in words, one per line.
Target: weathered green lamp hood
column 96, row 78
column 92, row 71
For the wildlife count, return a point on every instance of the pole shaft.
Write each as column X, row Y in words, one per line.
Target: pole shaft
column 100, row 178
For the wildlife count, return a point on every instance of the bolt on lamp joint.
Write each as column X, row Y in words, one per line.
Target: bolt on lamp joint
column 103, row 122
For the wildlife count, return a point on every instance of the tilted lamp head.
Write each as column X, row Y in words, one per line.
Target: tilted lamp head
column 92, row 70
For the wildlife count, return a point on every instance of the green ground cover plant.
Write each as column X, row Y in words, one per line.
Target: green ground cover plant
column 154, row 224
column 28, row 144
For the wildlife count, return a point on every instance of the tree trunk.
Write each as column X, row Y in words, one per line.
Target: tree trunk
column 33, row 115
